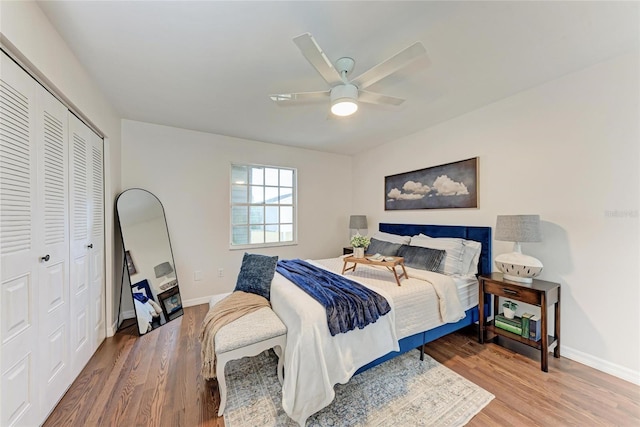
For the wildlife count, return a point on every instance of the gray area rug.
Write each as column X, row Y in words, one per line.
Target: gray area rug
column 400, row 392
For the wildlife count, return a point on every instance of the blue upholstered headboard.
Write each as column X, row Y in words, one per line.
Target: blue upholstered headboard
column 479, row 234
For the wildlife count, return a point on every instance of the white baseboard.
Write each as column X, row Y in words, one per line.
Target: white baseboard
column 601, row 365
column 129, row 314
column 112, row 329
column 196, row 301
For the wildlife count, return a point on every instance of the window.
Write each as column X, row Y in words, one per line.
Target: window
column 262, row 206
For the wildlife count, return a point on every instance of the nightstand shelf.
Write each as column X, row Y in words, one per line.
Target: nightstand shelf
column 489, row 327
column 539, row 293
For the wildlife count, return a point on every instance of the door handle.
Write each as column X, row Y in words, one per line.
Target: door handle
column 45, row 258
column 90, row 246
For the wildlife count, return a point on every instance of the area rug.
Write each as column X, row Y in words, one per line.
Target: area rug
column 400, row 392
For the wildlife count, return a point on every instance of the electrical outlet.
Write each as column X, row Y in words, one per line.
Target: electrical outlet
column 197, row 276
column 221, row 272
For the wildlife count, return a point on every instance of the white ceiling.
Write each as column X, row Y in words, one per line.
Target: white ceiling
column 209, row 66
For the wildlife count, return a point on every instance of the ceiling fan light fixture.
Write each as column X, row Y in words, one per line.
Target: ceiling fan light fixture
column 344, row 108
column 344, row 100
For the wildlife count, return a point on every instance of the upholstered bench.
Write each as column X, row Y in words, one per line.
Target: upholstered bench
column 247, row 336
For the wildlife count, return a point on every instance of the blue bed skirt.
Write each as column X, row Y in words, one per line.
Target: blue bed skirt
column 421, row 338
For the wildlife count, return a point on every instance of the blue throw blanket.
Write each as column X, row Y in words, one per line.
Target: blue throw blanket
column 348, row 304
column 140, row 297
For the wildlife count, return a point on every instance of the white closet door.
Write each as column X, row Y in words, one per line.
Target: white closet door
column 79, row 173
column 53, row 232
column 96, row 243
column 19, row 253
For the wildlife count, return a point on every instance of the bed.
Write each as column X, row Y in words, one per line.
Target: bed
column 427, row 306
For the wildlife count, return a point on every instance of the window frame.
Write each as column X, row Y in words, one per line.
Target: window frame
column 294, row 205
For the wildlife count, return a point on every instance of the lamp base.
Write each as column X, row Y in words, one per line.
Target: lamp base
column 518, row 267
column 517, row 278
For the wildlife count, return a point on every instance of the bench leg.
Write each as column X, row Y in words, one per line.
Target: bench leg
column 222, row 385
column 280, row 354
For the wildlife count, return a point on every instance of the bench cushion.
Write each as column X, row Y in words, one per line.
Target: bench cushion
column 251, row 328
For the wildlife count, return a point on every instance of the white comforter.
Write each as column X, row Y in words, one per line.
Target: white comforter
column 144, row 314
column 315, row 361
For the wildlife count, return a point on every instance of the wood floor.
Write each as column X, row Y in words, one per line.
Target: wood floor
column 154, row 381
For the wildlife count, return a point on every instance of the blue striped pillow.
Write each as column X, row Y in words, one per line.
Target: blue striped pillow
column 422, row 258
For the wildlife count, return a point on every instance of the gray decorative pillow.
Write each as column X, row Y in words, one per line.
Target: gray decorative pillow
column 422, row 258
column 383, row 248
column 256, row 274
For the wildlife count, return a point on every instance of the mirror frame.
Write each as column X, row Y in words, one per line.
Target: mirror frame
column 172, row 291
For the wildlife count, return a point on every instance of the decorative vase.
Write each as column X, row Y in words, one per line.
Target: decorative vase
column 508, row 313
column 358, row 252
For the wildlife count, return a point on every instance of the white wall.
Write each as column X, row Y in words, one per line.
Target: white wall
column 189, row 172
column 28, row 35
column 569, row 151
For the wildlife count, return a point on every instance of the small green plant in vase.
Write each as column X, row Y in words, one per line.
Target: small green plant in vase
column 359, row 244
column 509, row 308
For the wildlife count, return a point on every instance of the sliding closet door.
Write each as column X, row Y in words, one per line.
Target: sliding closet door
column 53, row 241
column 19, row 253
column 79, row 172
column 96, row 243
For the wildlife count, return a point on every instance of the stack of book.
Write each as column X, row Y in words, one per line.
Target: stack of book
column 527, row 326
column 512, row 325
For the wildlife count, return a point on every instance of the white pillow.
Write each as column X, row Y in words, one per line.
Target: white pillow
column 453, row 261
column 393, row 238
column 471, row 256
column 470, row 252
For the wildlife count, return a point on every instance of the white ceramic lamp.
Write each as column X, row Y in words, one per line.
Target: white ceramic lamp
column 518, row 228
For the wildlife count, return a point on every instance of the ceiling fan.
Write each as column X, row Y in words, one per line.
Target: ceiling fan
column 345, row 93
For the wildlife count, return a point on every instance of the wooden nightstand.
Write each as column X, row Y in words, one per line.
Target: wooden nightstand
column 171, row 303
column 347, row 250
column 539, row 293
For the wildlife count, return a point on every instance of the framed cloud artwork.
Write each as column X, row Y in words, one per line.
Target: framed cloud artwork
column 452, row 185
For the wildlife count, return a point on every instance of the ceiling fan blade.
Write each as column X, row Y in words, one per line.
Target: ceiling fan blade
column 314, row 54
column 377, row 98
column 299, row 97
column 391, row 65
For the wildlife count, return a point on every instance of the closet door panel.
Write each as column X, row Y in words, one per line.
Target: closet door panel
column 19, row 255
column 79, row 173
column 53, row 283
column 96, row 267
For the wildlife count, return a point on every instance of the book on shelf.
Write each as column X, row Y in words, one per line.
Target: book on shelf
column 534, row 328
column 512, row 325
column 525, row 324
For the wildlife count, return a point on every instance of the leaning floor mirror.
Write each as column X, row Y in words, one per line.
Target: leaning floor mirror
column 148, row 259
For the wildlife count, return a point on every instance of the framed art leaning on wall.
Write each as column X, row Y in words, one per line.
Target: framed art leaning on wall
column 451, row 185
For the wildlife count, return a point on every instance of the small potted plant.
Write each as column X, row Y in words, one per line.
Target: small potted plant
column 510, row 308
column 359, row 243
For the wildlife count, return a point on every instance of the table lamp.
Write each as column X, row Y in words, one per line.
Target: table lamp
column 518, row 228
column 163, row 269
column 356, row 222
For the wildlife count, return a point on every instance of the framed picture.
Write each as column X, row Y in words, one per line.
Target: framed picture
column 452, row 185
column 130, row 266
